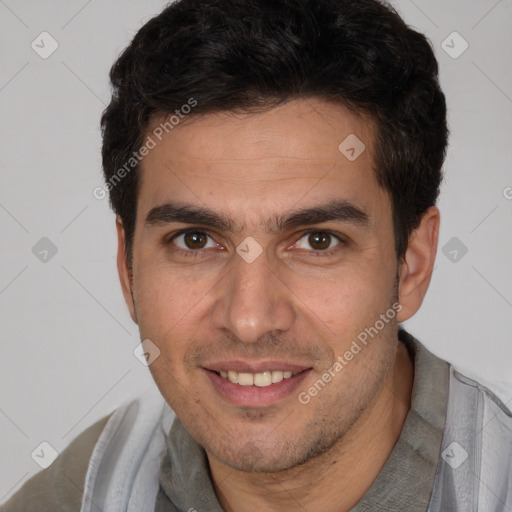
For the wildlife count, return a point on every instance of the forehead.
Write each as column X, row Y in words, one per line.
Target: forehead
column 303, row 151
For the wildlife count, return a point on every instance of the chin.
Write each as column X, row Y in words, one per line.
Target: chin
column 254, row 458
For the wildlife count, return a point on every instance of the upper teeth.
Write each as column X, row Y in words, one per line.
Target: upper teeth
column 256, row 379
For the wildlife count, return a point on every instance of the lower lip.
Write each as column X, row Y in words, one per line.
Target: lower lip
column 254, row 396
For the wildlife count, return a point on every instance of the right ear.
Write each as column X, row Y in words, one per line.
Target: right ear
column 125, row 272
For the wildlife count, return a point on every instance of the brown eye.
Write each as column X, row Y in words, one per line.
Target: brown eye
column 318, row 241
column 193, row 240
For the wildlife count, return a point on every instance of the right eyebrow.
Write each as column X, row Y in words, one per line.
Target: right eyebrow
column 169, row 212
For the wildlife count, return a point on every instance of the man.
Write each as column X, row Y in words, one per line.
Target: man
column 274, row 168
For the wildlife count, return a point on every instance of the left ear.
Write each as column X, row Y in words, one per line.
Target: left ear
column 416, row 268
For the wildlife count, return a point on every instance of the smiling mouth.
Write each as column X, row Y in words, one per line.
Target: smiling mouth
column 266, row 385
column 261, row 379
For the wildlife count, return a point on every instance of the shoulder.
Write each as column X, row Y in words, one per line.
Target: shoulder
column 60, row 486
column 126, row 459
column 98, row 459
column 498, row 395
column 475, row 465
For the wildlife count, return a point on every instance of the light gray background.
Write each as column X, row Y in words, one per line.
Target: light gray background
column 67, row 339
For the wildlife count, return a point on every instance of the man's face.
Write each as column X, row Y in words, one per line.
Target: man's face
column 246, row 285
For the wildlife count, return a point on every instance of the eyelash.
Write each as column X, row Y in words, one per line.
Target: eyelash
column 201, row 253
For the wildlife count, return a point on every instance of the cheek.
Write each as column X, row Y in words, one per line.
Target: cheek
column 346, row 302
column 170, row 303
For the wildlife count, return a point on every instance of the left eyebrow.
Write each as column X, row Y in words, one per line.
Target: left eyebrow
column 339, row 210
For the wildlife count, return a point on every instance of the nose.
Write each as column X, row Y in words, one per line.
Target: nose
column 252, row 301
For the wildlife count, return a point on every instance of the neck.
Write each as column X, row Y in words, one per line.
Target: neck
column 336, row 480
